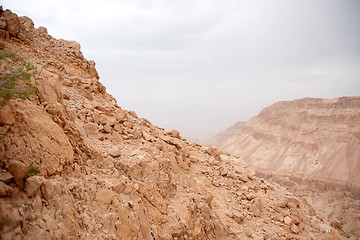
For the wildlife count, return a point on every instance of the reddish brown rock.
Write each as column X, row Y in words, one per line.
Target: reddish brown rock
column 6, row 116
column 18, row 170
column 32, row 185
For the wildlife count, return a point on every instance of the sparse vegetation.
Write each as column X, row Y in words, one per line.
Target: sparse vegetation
column 15, row 82
column 32, row 170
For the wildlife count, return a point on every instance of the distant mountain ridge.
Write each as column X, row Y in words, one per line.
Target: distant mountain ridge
column 312, row 138
column 313, row 147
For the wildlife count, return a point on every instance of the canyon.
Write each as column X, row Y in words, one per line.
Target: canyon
column 75, row 165
column 310, row 145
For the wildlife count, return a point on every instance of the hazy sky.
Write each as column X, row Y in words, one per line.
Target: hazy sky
column 201, row 65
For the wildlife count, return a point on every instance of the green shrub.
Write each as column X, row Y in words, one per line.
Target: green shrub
column 15, row 83
column 32, row 170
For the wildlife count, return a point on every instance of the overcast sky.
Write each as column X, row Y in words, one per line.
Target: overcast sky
column 199, row 66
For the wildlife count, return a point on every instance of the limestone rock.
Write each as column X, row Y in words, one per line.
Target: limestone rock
column 294, row 228
column 12, row 23
column 5, row 190
column 114, row 151
column 18, row 170
column 5, row 176
column 287, row 220
column 6, row 116
column 48, row 189
column 104, row 196
column 121, row 115
column 32, row 185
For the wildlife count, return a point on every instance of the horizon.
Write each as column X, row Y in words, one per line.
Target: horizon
column 201, row 66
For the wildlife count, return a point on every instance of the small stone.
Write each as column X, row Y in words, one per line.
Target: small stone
column 119, row 187
column 216, row 183
column 114, row 152
column 107, row 128
column 287, row 220
column 238, row 217
column 294, row 228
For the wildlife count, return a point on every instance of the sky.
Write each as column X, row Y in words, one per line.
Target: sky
column 199, row 66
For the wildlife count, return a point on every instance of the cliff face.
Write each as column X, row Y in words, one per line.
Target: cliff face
column 105, row 173
column 311, row 146
column 308, row 138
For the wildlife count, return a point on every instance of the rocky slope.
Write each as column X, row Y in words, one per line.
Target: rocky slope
column 308, row 144
column 105, row 173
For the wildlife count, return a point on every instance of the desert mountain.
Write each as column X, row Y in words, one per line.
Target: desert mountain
column 105, row 173
column 309, row 144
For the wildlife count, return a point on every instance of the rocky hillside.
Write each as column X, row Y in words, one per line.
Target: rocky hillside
column 106, row 173
column 311, row 145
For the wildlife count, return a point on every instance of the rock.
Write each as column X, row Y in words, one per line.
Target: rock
column 12, row 23
column 32, row 185
column 114, row 152
column 48, row 85
column 287, row 220
column 104, row 196
column 174, row 134
column 48, row 189
column 5, row 176
column 42, row 30
column 136, row 134
column 238, row 217
column 121, row 115
column 6, row 116
column 10, row 218
column 147, row 136
column 256, row 208
column 26, row 22
column 153, row 196
column 37, row 204
column 119, row 186
column 103, row 119
column 2, row 23
column 107, row 128
column 5, row 190
column 213, row 152
column 18, row 170
column 294, row 228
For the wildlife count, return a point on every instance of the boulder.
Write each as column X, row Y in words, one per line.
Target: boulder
column 18, row 170
column 32, row 185
column 12, row 23
column 48, row 189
